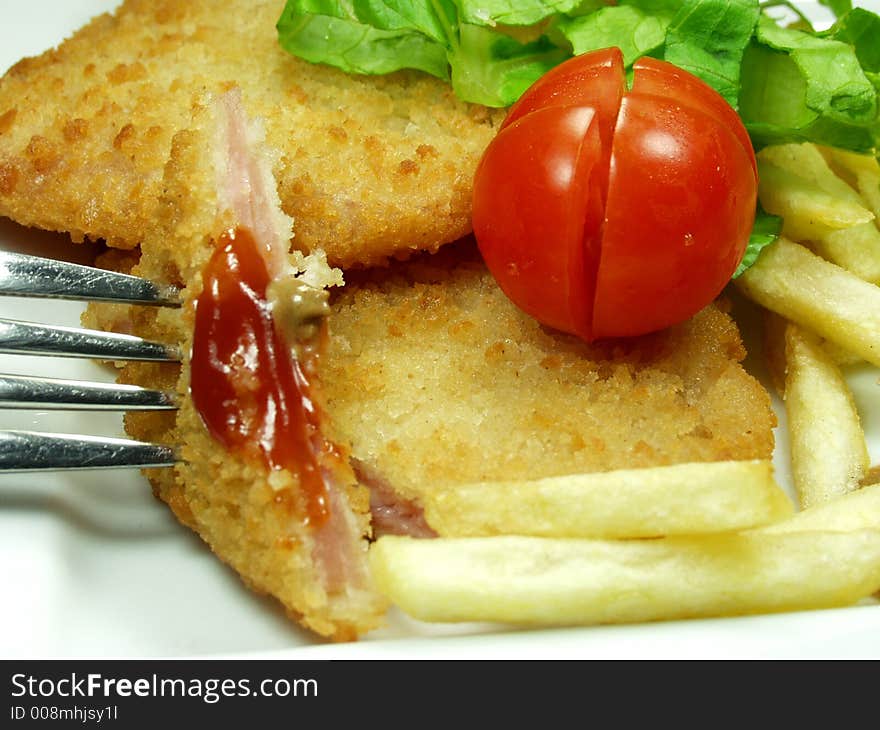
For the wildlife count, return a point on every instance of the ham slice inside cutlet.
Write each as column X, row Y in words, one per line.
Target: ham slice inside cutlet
column 294, row 440
column 253, row 371
column 266, row 479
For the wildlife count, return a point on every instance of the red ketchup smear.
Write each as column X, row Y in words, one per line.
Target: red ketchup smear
column 247, row 384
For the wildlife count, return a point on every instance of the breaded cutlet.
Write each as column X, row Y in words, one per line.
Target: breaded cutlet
column 369, row 167
column 256, row 517
column 433, row 378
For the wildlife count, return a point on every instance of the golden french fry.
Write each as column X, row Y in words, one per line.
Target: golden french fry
column 863, row 170
column 856, row 249
column 807, row 162
column 534, row 580
column 859, row 510
column 808, row 211
column 681, row 499
column 840, row 355
column 829, row 455
column 774, row 350
column 792, row 281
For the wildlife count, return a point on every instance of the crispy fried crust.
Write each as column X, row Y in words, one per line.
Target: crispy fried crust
column 251, row 518
column 435, row 378
column 369, row 167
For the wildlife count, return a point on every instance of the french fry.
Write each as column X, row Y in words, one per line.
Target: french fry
column 863, row 169
column 856, row 249
column 859, row 510
column 682, row 499
column 534, row 580
column 774, row 350
column 792, row 281
column 829, row 455
column 807, row 162
column 841, row 356
column 808, row 211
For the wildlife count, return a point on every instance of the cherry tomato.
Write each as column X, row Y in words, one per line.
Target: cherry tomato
column 604, row 211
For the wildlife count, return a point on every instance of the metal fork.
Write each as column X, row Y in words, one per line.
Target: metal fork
column 31, row 276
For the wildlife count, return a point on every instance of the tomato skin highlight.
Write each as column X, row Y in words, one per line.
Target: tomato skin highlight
column 669, row 185
column 652, row 76
column 538, row 200
column 679, row 212
column 598, row 81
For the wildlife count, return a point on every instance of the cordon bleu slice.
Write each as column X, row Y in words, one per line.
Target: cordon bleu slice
column 370, row 167
column 258, row 515
column 433, row 378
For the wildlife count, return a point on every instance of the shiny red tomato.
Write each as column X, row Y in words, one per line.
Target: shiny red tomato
column 605, row 211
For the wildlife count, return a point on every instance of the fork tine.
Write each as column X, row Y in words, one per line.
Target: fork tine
column 32, row 276
column 22, row 451
column 30, row 338
column 20, row 391
column 22, row 275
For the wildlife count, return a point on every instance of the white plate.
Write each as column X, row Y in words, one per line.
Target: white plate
column 92, row 565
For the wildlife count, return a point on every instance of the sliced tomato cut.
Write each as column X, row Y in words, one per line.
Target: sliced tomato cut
column 634, row 227
column 680, row 207
column 598, row 80
column 541, row 213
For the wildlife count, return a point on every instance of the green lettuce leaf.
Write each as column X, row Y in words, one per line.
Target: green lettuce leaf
column 861, row 29
column 494, row 69
column 511, row 12
column 485, row 65
column 708, row 38
column 835, row 82
column 796, row 86
column 359, row 48
column 766, row 230
column 436, row 21
column 838, row 7
column 637, row 33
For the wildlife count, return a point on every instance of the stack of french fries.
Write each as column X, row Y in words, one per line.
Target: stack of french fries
column 823, row 297
column 706, row 539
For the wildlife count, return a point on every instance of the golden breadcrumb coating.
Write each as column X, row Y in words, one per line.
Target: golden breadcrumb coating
column 432, row 377
column 369, row 167
column 252, row 518
column 435, row 378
